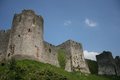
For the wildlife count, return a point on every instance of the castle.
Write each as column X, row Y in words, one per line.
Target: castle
column 25, row 41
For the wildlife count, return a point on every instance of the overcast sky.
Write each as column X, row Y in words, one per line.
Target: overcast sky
column 94, row 23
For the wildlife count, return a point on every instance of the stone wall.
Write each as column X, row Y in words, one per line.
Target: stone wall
column 66, row 47
column 26, row 37
column 75, row 57
column 106, row 63
column 50, row 55
column 4, row 38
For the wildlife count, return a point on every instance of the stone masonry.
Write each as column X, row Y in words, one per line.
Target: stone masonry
column 50, row 55
column 25, row 41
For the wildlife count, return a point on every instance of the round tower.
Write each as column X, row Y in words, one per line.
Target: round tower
column 26, row 38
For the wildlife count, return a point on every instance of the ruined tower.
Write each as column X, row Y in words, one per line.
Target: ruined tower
column 75, row 57
column 106, row 63
column 26, row 37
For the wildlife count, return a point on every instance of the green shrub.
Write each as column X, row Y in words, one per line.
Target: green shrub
column 62, row 58
column 92, row 66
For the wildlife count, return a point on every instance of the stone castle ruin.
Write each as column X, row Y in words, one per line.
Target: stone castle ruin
column 25, row 41
column 107, row 65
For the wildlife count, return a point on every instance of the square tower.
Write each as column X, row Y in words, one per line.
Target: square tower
column 26, row 37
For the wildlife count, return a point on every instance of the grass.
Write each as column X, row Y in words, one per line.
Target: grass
column 33, row 70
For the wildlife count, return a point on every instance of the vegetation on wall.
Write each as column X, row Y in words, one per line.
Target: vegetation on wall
column 93, row 66
column 62, row 58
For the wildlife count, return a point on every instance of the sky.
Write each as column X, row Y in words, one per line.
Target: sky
column 94, row 23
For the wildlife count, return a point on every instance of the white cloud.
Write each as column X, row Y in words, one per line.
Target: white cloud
column 90, row 55
column 90, row 23
column 67, row 22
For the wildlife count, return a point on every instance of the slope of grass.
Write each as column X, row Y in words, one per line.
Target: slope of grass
column 33, row 70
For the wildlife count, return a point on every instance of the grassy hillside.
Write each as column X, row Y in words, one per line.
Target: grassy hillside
column 33, row 70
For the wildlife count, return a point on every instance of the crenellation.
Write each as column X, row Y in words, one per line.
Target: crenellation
column 28, row 12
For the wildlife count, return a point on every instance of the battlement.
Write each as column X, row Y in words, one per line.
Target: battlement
column 70, row 43
column 49, row 44
column 28, row 11
column 104, row 55
column 28, row 16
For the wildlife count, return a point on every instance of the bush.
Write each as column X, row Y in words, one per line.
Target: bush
column 92, row 66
